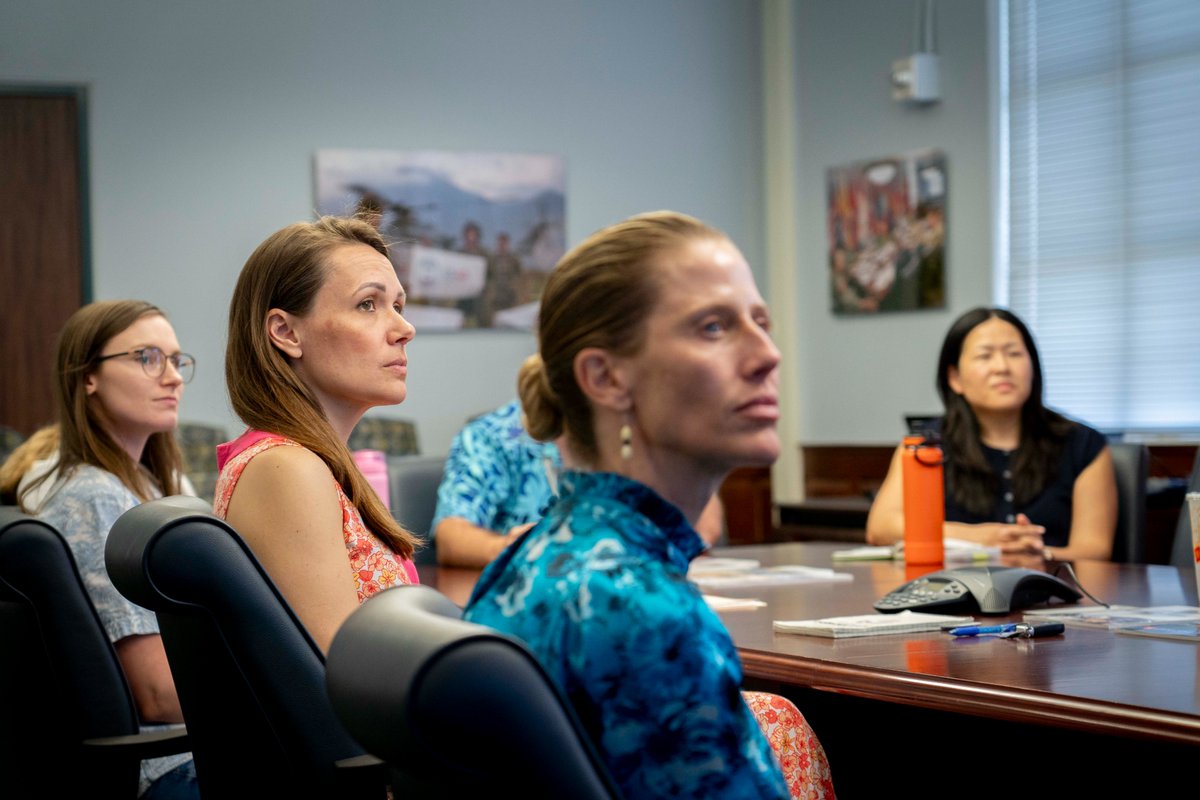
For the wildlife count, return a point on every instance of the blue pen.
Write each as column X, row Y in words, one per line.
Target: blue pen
column 975, row 630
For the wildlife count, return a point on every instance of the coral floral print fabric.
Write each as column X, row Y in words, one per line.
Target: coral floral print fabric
column 800, row 754
column 373, row 563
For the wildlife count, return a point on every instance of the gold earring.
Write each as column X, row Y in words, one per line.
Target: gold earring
column 626, row 442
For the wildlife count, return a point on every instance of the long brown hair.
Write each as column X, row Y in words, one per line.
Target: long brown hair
column 599, row 295
column 82, row 435
column 972, row 483
column 286, row 271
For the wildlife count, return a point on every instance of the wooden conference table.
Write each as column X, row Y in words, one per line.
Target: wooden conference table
column 1089, row 712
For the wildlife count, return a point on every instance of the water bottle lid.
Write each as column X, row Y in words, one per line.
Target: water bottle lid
column 925, row 451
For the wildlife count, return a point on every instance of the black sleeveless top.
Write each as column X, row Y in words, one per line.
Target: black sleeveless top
column 1051, row 508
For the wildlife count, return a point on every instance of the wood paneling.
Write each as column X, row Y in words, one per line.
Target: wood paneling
column 1171, row 460
column 845, row 470
column 1170, row 467
column 41, row 250
column 746, row 495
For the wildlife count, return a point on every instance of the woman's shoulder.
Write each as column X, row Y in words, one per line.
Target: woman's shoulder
column 78, row 480
column 280, row 458
column 1079, row 431
column 1082, row 444
column 85, row 491
column 1078, row 434
column 275, row 467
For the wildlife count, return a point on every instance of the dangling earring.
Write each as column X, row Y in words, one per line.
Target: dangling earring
column 626, row 442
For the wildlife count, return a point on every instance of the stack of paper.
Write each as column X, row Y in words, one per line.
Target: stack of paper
column 1115, row 617
column 718, row 603
column 871, row 624
column 957, row 551
column 724, row 573
column 961, row 550
column 868, row 553
column 1187, row 631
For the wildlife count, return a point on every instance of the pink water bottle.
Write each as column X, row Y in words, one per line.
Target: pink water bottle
column 924, row 502
column 373, row 465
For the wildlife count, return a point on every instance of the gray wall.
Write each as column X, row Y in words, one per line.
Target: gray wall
column 204, row 118
column 859, row 375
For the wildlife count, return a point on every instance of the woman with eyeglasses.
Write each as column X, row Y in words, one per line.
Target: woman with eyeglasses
column 317, row 337
column 119, row 379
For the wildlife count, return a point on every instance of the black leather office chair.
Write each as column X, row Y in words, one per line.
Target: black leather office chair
column 1131, row 464
column 461, row 710
column 251, row 680
column 396, row 437
column 65, row 707
column 1181, row 548
column 412, row 486
column 9, row 440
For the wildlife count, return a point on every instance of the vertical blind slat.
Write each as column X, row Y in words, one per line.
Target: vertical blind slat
column 1101, row 100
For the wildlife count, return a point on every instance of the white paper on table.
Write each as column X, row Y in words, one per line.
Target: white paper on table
column 766, row 576
column 958, row 551
column 719, row 603
column 716, row 564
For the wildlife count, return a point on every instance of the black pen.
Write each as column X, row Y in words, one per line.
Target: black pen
column 1023, row 630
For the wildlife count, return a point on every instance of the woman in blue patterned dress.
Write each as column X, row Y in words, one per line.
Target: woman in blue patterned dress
column 656, row 361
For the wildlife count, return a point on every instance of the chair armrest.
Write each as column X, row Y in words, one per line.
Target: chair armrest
column 362, row 776
column 364, row 762
column 149, row 744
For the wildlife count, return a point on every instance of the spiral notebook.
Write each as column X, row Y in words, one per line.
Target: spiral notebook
column 871, row 624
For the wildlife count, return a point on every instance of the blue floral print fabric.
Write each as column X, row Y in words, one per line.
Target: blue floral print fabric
column 497, row 474
column 598, row 590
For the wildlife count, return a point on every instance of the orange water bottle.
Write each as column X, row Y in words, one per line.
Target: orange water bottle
column 924, row 502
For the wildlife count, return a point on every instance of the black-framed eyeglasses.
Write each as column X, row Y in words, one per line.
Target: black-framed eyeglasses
column 154, row 362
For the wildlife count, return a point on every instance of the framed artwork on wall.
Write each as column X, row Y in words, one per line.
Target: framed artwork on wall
column 887, row 233
column 473, row 236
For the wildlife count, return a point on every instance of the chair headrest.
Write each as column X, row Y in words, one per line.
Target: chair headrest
column 131, row 536
column 404, row 671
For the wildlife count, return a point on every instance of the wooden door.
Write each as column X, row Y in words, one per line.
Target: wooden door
column 42, row 245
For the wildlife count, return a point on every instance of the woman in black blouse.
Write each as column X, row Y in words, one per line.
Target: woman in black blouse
column 1017, row 474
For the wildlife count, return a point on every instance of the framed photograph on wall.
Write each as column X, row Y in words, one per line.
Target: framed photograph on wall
column 473, row 235
column 887, row 233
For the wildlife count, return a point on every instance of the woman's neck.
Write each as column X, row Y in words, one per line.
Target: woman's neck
column 683, row 483
column 133, row 444
column 1000, row 431
column 343, row 420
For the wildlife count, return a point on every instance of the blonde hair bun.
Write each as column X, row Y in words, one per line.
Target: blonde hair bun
column 543, row 415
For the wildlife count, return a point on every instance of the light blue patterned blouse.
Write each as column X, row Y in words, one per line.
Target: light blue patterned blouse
column 497, row 474
column 599, row 591
column 83, row 508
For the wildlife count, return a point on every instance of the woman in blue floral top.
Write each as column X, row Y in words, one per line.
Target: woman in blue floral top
column 655, row 360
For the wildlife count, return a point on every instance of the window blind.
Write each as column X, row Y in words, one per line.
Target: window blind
column 1099, row 219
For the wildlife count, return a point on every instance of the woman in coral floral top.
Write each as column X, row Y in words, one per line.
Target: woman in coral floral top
column 316, row 337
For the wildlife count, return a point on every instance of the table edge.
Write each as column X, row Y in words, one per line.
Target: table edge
column 958, row 696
